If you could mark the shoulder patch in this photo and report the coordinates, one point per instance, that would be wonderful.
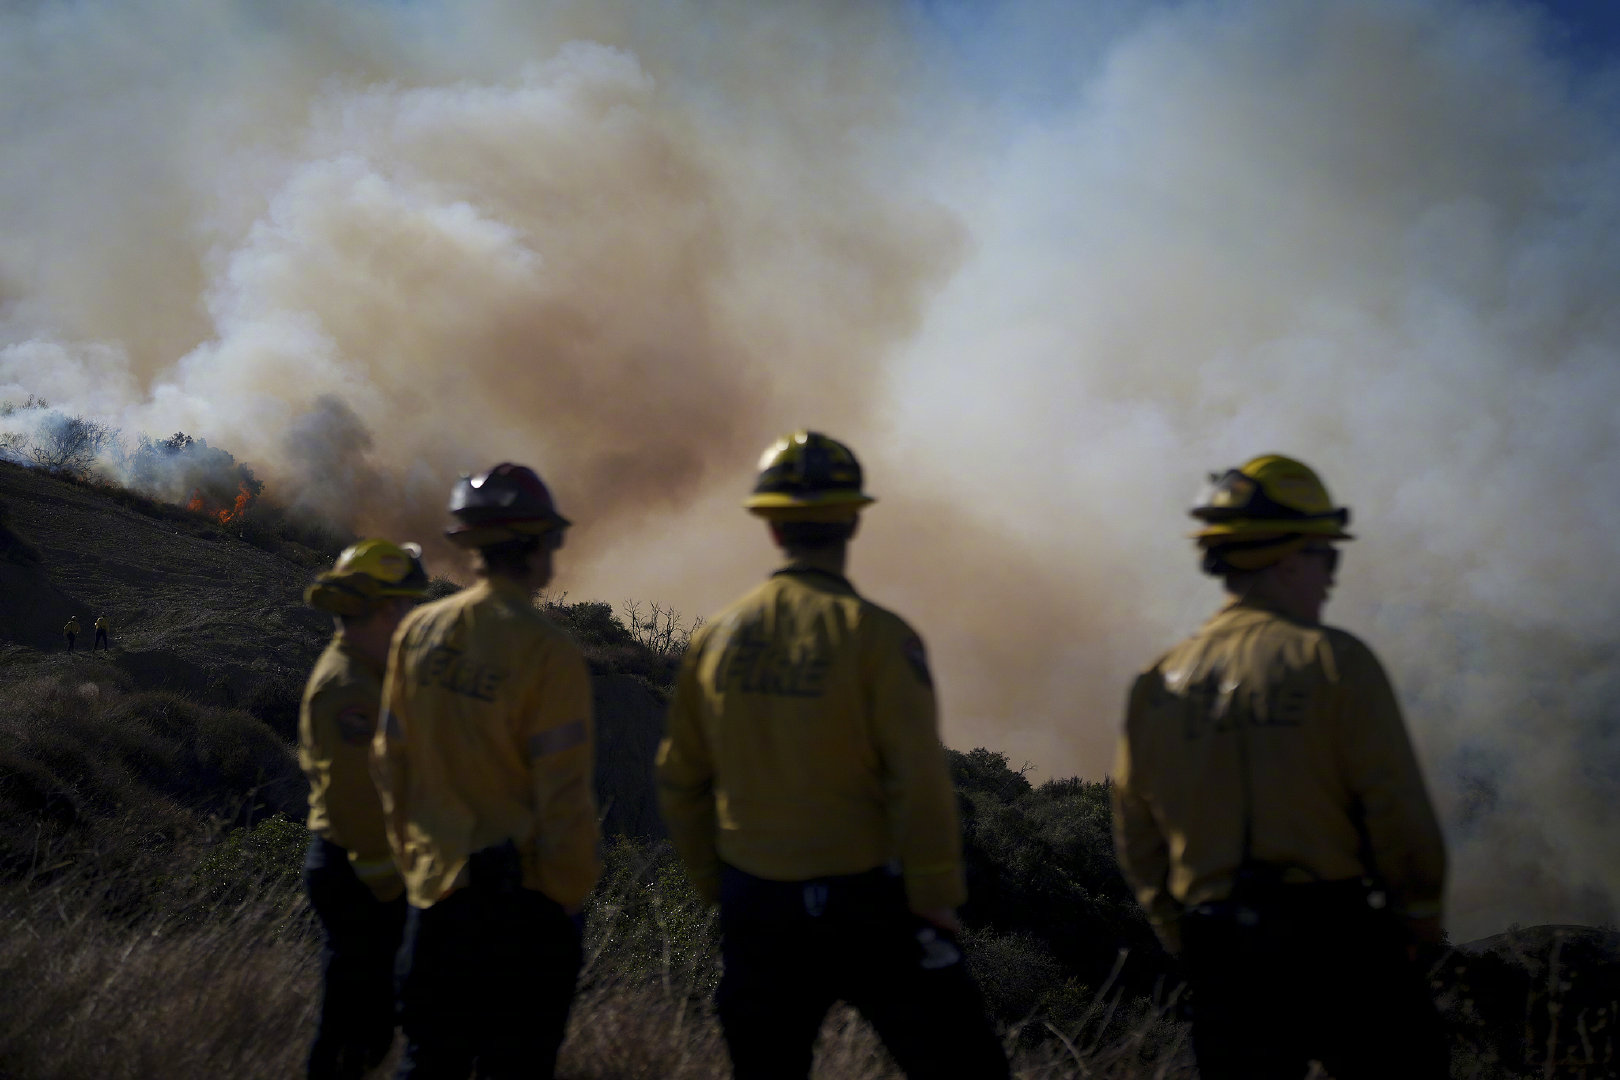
(917, 657)
(355, 726)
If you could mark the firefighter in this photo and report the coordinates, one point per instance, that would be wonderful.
(1270, 813)
(71, 631)
(806, 790)
(102, 626)
(485, 767)
(349, 872)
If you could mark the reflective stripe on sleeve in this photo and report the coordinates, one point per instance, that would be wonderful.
(556, 740)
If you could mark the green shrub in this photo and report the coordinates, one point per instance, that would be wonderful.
(591, 623)
(94, 768)
(1040, 862)
(248, 861)
(1017, 973)
(274, 698)
(645, 923)
(987, 772)
(297, 536)
(611, 647)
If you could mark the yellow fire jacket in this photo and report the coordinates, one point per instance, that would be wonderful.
(103, 624)
(803, 743)
(1297, 723)
(487, 736)
(72, 627)
(336, 723)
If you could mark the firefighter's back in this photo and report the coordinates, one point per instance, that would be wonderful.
(472, 668)
(799, 780)
(1237, 731)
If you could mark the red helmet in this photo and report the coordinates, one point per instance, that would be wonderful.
(505, 503)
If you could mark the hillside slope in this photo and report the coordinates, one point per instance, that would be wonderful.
(123, 777)
(197, 611)
(192, 608)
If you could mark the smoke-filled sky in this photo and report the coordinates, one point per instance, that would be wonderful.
(1043, 264)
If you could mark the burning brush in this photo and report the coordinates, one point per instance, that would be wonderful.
(225, 515)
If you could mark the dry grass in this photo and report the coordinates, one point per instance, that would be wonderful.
(167, 993)
(145, 938)
(158, 996)
(91, 770)
(196, 982)
(624, 1034)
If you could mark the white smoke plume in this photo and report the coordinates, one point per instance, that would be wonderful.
(1043, 264)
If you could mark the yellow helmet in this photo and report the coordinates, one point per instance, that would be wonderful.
(366, 573)
(807, 476)
(1270, 496)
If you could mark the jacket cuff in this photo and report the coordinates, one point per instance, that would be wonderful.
(706, 882)
(381, 876)
(932, 887)
(1421, 909)
(568, 886)
(387, 890)
(1169, 934)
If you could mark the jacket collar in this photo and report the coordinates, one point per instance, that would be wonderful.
(506, 589)
(800, 570)
(341, 643)
(1249, 605)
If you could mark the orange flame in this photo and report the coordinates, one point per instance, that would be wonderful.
(228, 515)
(234, 513)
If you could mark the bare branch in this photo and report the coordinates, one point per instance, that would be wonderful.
(70, 444)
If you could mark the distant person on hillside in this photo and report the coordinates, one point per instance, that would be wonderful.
(353, 884)
(102, 626)
(805, 788)
(71, 631)
(485, 768)
(1270, 814)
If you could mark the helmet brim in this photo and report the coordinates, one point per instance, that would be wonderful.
(1249, 529)
(781, 500)
(487, 534)
(823, 514)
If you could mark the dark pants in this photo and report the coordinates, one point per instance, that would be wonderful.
(1308, 973)
(70, 642)
(362, 936)
(101, 639)
(791, 949)
(487, 977)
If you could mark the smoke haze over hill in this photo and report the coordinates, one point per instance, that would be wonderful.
(1042, 268)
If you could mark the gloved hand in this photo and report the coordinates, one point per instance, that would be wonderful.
(944, 918)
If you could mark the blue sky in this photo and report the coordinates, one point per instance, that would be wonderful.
(1593, 25)
(1589, 30)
